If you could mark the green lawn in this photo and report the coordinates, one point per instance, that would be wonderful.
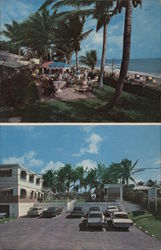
(148, 222)
(131, 108)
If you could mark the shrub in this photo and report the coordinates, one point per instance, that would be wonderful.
(13, 89)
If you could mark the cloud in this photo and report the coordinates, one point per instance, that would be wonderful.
(28, 160)
(158, 162)
(14, 160)
(94, 141)
(87, 164)
(52, 165)
(86, 129)
(30, 155)
(35, 162)
(92, 147)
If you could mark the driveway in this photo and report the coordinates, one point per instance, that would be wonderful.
(62, 233)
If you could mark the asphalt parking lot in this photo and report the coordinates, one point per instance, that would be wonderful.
(63, 233)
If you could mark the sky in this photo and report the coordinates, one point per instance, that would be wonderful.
(146, 38)
(40, 148)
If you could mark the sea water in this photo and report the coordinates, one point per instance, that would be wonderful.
(149, 66)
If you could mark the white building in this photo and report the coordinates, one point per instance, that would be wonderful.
(19, 189)
(113, 192)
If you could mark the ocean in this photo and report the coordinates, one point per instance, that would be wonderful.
(150, 66)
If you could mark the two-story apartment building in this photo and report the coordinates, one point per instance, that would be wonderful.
(19, 189)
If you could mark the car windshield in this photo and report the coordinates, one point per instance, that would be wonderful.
(77, 209)
(95, 216)
(112, 207)
(121, 216)
(94, 209)
(51, 208)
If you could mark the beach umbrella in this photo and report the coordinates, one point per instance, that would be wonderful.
(57, 65)
(46, 64)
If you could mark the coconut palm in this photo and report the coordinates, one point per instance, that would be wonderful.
(72, 34)
(90, 59)
(127, 170)
(36, 32)
(128, 5)
(100, 10)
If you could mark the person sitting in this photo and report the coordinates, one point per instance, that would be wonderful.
(91, 75)
(90, 84)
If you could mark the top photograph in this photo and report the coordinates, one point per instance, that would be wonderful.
(80, 61)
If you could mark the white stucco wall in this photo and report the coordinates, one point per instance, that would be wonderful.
(24, 207)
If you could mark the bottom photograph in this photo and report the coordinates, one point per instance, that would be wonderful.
(71, 187)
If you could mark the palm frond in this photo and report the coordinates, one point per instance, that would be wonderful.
(46, 4)
(134, 165)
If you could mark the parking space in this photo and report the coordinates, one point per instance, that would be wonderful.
(65, 233)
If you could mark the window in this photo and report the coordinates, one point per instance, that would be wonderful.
(35, 195)
(37, 181)
(31, 178)
(32, 195)
(23, 194)
(23, 174)
(6, 173)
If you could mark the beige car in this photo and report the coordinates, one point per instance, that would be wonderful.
(121, 220)
(95, 219)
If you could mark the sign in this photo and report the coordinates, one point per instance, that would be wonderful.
(152, 194)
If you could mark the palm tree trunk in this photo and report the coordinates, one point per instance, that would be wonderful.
(77, 62)
(100, 84)
(126, 53)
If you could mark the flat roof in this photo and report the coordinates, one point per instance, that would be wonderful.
(4, 166)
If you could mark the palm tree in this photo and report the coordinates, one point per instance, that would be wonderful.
(90, 59)
(127, 170)
(128, 5)
(36, 32)
(100, 11)
(72, 34)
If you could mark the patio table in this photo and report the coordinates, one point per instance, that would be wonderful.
(60, 84)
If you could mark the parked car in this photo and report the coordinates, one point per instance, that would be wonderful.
(121, 220)
(95, 219)
(51, 212)
(35, 211)
(3, 215)
(94, 209)
(110, 209)
(77, 212)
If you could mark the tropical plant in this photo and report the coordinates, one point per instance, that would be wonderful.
(128, 5)
(36, 32)
(127, 170)
(100, 10)
(72, 35)
(90, 59)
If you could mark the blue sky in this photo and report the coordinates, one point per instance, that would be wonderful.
(44, 147)
(146, 37)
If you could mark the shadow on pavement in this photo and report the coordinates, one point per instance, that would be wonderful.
(73, 217)
(109, 227)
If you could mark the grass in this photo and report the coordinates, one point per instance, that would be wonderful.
(148, 222)
(131, 108)
(4, 220)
